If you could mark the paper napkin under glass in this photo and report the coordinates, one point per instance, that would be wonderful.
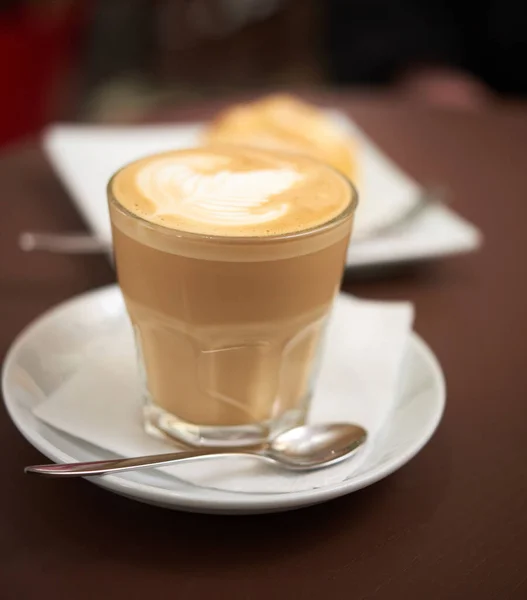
(360, 372)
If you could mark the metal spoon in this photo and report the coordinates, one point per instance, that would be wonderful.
(302, 449)
(62, 243)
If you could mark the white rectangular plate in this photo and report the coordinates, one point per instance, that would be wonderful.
(85, 157)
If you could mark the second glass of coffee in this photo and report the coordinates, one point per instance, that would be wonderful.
(229, 260)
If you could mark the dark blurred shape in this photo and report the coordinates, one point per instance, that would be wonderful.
(143, 53)
(229, 44)
(36, 44)
(135, 55)
(120, 40)
(438, 42)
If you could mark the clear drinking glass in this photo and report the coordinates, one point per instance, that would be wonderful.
(227, 329)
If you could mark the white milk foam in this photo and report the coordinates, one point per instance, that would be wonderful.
(182, 187)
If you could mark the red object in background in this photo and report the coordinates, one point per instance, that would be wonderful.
(35, 45)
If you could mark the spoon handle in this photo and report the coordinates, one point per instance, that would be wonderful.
(101, 467)
(63, 243)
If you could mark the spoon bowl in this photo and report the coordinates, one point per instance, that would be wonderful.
(315, 446)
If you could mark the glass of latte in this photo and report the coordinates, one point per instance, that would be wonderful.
(229, 259)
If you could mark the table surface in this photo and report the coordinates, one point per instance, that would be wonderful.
(451, 524)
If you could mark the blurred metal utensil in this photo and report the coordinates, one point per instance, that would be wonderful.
(430, 196)
(62, 243)
(84, 243)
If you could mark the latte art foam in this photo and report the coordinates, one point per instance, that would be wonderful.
(223, 198)
(234, 191)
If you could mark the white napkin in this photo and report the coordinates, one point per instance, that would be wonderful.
(361, 364)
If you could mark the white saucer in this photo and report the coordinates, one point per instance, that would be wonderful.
(35, 366)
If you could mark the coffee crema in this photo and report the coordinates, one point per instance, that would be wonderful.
(231, 191)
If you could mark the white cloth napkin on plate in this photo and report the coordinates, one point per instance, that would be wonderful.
(361, 365)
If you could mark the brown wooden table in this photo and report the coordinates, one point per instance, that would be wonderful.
(452, 524)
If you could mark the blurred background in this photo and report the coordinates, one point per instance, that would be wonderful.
(117, 60)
